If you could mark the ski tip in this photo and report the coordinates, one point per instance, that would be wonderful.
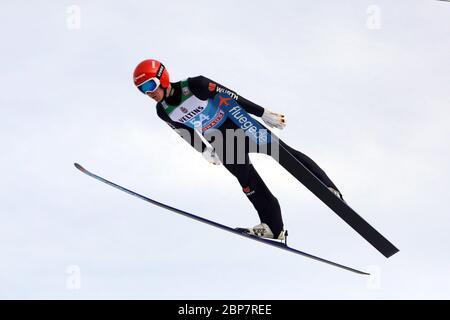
(79, 167)
(365, 273)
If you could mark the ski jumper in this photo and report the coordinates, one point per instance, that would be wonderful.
(189, 107)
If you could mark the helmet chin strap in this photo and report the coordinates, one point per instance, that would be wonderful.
(165, 95)
(165, 91)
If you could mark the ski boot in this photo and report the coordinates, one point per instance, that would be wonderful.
(262, 230)
(337, 193)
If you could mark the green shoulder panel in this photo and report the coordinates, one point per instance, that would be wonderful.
(185, 94)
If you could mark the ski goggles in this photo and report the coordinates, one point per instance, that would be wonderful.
(149, 86)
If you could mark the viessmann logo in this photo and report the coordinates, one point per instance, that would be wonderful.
(211, 86)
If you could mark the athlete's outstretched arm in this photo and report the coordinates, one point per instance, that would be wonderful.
(205, 88)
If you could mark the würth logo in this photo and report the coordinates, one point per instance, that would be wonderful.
(212, 86)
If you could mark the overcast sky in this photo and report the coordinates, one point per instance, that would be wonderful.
(365, 89)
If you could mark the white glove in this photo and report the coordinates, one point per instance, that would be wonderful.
(273, 120)
(211, 156)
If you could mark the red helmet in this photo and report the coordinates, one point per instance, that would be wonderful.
(148, 69)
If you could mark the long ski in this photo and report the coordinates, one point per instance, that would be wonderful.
(273, 243)
(305, 176)
(341, 208)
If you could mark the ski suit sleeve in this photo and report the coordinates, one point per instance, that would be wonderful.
(188, 134)
(205, 88)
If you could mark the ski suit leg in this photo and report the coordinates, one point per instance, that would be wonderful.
(308, 163)
(259, 195)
